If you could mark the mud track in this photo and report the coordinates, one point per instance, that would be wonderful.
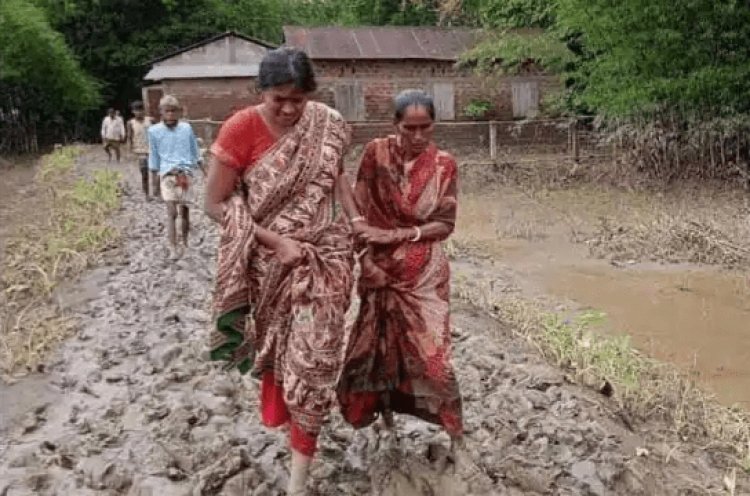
(132, 406)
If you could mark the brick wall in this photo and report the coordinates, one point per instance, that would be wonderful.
(382, 80)
(475, 136)
(214, 98)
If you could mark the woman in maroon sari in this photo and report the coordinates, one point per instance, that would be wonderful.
(399, 353)
(285, 260)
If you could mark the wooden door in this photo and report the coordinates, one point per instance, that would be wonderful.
(444, 95)
(525, 99)
(349, 101)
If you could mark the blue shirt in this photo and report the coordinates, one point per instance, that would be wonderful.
(172, 148)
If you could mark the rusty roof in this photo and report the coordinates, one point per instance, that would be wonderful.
(381, 42)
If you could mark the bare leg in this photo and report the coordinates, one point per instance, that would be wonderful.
(144, 180)
(299, 473)
(185, 216)
(387, 412)
(171, 221)
(388, 420)
(155, 184)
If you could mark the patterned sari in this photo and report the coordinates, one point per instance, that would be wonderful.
(287, 324)
(399, 352)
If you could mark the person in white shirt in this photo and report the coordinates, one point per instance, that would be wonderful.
(113, 134)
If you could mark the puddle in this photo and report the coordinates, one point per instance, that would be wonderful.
(693, 318)
(697, 318)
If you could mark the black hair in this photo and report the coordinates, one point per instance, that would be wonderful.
(408, 98)
(110, 110)
(136, 105)
(284, 66)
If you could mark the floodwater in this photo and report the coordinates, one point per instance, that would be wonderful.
(697, 318)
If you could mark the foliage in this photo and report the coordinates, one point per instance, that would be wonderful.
(33, 54)
(692, 58)
(115, 39)
(501, 14)
(510, 52)
(477, 108)
(41, 81)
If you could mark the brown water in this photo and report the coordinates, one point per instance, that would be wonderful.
(695, 317)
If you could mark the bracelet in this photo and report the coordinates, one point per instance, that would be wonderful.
(358, 218)
(417, 236)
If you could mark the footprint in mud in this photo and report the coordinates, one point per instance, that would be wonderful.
(411, 476)
(400, 466)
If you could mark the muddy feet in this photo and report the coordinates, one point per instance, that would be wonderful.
(466, 469)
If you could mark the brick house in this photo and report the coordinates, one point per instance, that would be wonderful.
(361, 69)
(211, 78)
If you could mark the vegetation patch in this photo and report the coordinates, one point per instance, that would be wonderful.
(670, 238)
(41, 255)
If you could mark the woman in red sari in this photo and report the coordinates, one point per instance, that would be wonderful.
(285, 261)
(399, 353)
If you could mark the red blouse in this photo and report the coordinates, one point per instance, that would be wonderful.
(242, 140)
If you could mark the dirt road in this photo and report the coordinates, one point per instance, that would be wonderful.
(131, 405)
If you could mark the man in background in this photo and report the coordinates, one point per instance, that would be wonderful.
(137, 131)
(113, 134)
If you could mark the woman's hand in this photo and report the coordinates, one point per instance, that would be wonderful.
(377, 236)
(288, 252)
(220, 186)
(359, 227)
(372, 275)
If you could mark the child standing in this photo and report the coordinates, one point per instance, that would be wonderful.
(173, 154)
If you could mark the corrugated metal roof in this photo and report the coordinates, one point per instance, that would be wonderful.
(211, 40)
(201, 71)
(381, 42)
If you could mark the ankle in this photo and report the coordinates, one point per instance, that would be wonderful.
(299, 473)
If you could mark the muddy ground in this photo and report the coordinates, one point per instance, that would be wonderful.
(131, 405)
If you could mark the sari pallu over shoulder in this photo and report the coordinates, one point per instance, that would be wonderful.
(399, 353)
(290, 190)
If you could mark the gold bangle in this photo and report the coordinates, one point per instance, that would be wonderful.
(417, 236)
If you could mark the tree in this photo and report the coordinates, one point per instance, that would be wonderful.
(642, 58)
(115, 39)
(40, 78)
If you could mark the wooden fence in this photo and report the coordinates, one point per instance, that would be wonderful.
(489, 138)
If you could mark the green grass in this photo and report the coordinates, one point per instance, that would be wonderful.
(43, 254)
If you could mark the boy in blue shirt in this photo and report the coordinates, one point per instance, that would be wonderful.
(174, 155)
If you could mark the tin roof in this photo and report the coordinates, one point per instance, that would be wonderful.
(211, 40)
(160, 72)
(381, 42)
